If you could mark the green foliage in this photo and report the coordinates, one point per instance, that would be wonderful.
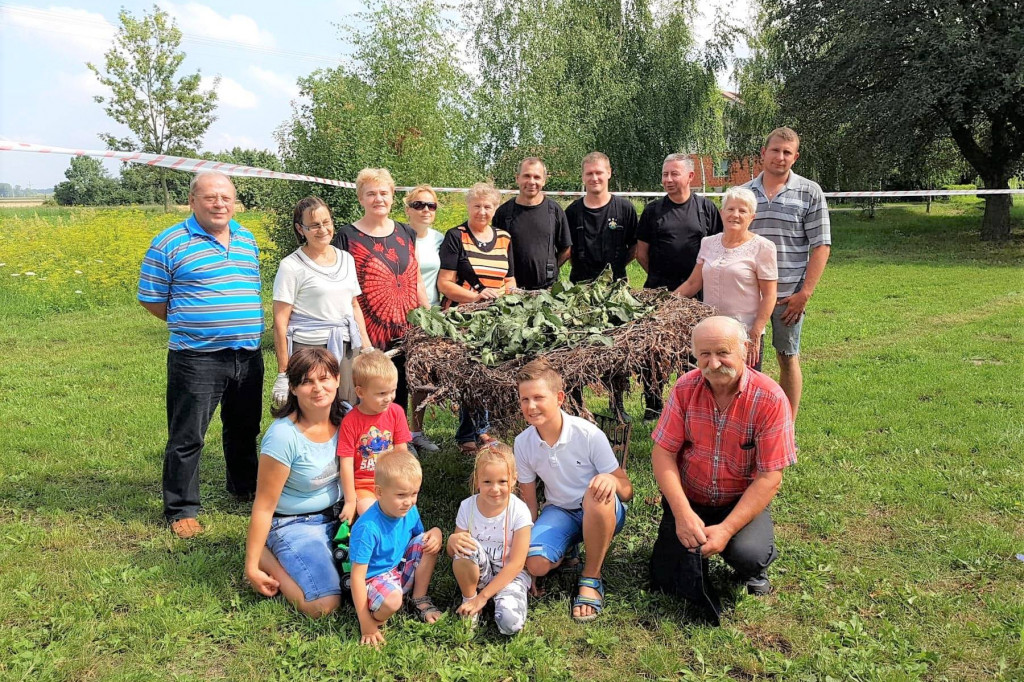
(878, 82)
(165, 114)
(401, 105)
(261, 194)
(516, 325)
(87, 184)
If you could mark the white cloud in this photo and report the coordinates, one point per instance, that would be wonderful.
(83, 82)
(230, 93)
(226, 141)
(198, 20)
(76, 31)
(275, 82)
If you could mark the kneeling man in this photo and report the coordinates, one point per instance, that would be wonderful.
(719, 450)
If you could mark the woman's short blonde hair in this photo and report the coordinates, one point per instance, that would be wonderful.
(419, 189)
(374, 176)
(483, 189)
(742, 195)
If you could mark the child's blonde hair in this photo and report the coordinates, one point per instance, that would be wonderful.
(373, 365)
(540, 369)
(489, 454)
(395, 467)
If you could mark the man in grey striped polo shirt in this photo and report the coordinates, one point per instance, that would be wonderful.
(791, 211)
(202, 277)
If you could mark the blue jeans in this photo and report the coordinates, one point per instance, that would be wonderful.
(196, 384)
(471, 425)
(303, 546)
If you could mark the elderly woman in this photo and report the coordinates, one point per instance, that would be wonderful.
(295, 513)
(315, 302)
(421, 210)
(738, 271)
(389, 275)
(476, 265)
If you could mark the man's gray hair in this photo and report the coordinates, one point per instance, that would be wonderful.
(679, 156)
(742, 195)
(532, 161)
(205, 174)
(738, 331)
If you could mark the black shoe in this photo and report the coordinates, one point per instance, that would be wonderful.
(759, 585)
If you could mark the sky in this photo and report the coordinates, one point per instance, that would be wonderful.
(259, 49)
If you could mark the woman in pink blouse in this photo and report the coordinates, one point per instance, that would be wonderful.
(738, 271)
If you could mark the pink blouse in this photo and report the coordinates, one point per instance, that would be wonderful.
(730, 275)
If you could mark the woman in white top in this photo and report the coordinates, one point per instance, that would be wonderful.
(421, 210)
(315, 302)
(738, 271)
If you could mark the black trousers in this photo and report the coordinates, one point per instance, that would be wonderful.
(196, 384)
(749, 552)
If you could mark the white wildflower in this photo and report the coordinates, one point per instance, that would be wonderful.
(78, 272)
(99, 260)
(29, 273)
(78, 291)
(15, 274)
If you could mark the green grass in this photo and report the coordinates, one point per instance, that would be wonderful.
(898, 528)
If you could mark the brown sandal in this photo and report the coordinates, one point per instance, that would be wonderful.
(423, 607)
(186, 528)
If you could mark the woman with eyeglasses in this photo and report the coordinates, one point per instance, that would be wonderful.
(421, 211)
(315, 299)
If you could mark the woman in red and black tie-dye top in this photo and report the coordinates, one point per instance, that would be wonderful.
(385, 254)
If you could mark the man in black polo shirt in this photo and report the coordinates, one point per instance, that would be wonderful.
(668, 241)
(603, 226)
(537, 225)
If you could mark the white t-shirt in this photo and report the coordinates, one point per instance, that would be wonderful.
(322, 292)
(427, 255)
(488, 531)
(581, 452)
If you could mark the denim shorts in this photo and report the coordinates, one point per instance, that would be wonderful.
(557, 529)
(303, 546)
(785, 338)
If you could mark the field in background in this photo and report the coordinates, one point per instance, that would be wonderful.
(898, 528)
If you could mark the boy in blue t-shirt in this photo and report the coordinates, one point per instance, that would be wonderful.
(391, 554)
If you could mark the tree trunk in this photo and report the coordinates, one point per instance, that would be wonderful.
(167, 196)
(995, 225)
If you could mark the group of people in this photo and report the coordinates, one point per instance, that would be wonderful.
(342, 298)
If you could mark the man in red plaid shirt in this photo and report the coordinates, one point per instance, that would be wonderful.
(719, 450)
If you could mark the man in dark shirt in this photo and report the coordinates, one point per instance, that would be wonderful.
(603, 226)
(537, 225)
(668, 241)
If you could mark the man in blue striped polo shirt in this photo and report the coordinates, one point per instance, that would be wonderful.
(202, 277)
(791, 211)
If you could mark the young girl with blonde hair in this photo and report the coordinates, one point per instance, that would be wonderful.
(490, 542)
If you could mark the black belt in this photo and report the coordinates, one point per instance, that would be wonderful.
(328, 511)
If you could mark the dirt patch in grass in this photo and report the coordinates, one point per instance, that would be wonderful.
(765, 640)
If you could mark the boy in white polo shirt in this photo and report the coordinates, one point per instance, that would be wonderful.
(584, 485)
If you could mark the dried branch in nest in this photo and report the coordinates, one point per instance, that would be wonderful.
(654, 346)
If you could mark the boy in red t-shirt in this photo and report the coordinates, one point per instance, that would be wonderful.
(377, 425)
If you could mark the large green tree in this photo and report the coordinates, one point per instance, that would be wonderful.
(87, 184)
(892, 79)
(560, 78)
(401, 103)
(165, 113)
(253, 193)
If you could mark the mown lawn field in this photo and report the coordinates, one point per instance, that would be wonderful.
(899, 529)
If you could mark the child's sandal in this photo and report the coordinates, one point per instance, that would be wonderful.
(595, 603)
(423, 607)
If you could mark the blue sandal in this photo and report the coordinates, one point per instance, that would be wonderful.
(579, 600)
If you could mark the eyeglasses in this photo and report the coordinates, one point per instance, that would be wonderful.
(420, 205)
(325, 225)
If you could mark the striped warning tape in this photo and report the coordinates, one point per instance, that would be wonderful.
(236, 170)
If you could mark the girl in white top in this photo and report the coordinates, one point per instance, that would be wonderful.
(315, 300)
(421, 210)
(738, 270)
(490, 542)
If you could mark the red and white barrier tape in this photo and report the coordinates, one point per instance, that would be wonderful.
(235, 170)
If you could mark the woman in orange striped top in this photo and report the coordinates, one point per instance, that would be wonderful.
(476, 265)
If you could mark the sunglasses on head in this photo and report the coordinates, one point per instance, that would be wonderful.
(420, 205)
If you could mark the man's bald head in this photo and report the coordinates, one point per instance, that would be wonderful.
(719, 326)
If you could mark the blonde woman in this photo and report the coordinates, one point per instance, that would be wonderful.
(385, 256)
(421, 210)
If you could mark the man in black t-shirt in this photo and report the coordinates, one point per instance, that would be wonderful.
(668, 241)
(603, 226)
(539, 230)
